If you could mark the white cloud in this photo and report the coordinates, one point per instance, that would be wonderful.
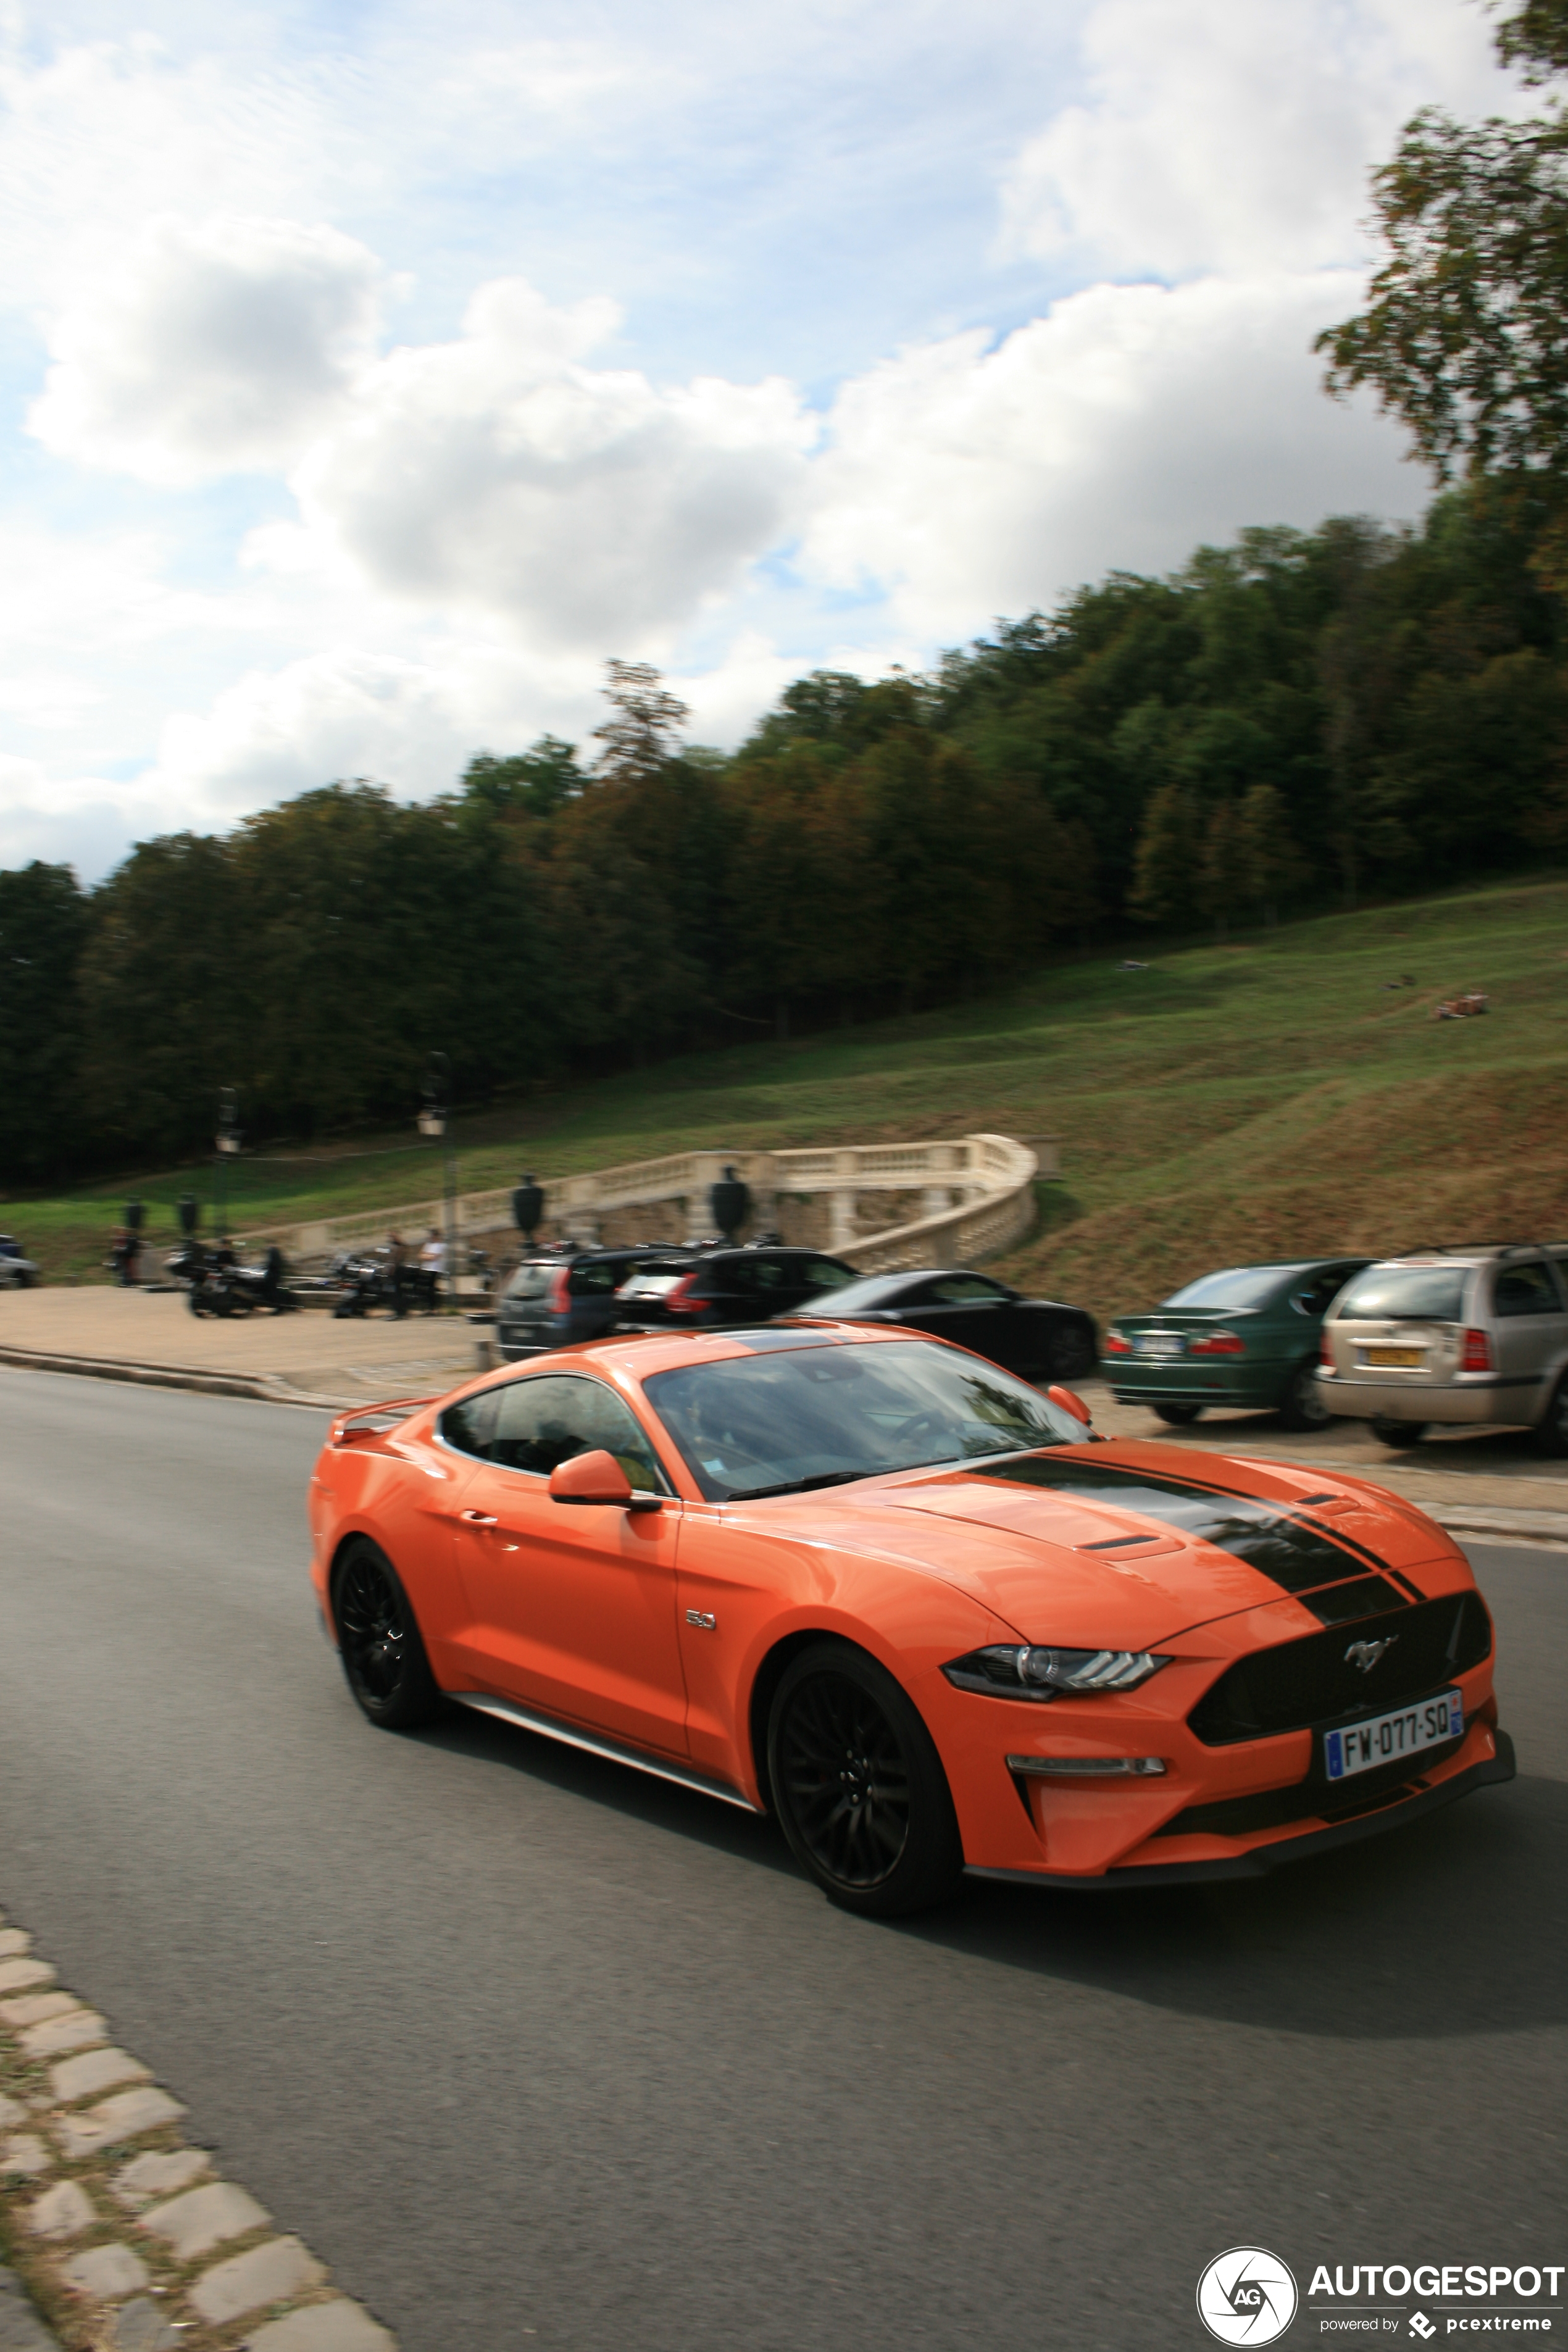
(1119, 431)
(583, 507)
(1219, 136)
(216, 346)
(711, 208)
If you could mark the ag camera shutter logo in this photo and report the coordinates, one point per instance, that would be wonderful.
(1247, 2297)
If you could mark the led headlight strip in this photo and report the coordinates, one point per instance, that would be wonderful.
(1005, 1672)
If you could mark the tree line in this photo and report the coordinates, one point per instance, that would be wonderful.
(1287, 722)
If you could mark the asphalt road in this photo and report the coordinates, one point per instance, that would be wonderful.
(532, 2049)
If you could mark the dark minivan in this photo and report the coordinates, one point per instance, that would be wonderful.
(561, 1296)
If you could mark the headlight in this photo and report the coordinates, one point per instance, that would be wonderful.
(1009, 1672)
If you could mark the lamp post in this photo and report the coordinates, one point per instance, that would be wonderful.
(435, 1120)
(226, 1144)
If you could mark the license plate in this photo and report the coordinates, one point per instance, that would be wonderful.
(1159, 1343)
(1384, 1738)
(1412, 1356)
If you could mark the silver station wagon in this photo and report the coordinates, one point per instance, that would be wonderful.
(1463, 1335)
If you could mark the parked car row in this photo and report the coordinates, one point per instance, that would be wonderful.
(1448, 1337)
(558, 1298)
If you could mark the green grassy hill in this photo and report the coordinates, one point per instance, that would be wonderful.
(1257, 1099)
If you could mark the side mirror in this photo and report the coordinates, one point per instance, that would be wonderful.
(1069, 1401)
(596, 1478)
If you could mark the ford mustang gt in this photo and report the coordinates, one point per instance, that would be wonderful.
(880, 1587)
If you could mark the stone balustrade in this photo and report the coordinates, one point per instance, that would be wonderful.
(975, 1199)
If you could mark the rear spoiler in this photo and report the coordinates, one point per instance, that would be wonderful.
(374, 1420)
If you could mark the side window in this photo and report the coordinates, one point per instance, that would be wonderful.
(1316, 1297)
(823, 1275)
(776, 1273)
(1526, 1289)
(954, 1290)
(467, 1425)
(543, 1422)
(589, 1281)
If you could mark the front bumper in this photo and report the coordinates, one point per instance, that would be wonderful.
(1258, 1860)
(1485, 1399)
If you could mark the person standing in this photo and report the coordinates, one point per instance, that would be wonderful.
(433, 1261)
(398, 1274)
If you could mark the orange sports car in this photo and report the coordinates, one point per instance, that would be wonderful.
(879, 1587)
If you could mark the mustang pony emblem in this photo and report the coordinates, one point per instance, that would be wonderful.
(1364, 1656)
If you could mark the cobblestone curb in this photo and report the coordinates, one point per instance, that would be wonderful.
(123, 2233)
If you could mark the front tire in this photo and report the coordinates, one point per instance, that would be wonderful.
(1397, 1433)
(378, 1638)
(859, 1786)
(1302, 1406)
(1177, 1416)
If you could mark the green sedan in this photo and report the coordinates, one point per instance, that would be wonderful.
(1246, 1337)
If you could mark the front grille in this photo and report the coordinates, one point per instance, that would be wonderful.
(1297, 1685)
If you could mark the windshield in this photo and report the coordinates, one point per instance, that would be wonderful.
(1419, 1294)
(774, 1423)
(1238, 1285)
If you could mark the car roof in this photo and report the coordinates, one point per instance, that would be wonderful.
(638, 1356)
(1469, 1253)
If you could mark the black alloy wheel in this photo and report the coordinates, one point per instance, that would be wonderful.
(859, 1786)
(384, 1657)
(1302, 1406)
(1549, 1434)
(1070, 1355)
(1389, 1432)
(1177, 1416)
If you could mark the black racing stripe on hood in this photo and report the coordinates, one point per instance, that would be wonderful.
(1293, 1554)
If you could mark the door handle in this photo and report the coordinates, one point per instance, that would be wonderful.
(479, 1519)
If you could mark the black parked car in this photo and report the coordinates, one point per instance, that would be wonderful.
(1035, 1338)
(703, 1290)
(559, 1296)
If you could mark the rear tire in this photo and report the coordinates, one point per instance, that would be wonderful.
(1178, 1415)
(1397, 1433)
(1302, 1406)
(384, 1657)
(1550, 1436)
(859, 1786)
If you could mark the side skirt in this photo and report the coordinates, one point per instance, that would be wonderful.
(592, 1743)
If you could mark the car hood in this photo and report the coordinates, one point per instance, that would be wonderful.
(1126, 1544)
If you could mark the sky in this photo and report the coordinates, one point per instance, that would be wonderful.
(371, 373)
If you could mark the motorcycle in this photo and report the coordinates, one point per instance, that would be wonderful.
(368, 1279)
(216, 1284)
